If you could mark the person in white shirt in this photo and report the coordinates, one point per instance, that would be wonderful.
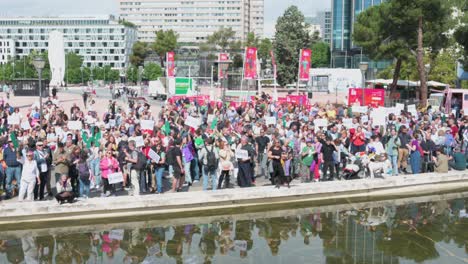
(376, 146)
(29, 177)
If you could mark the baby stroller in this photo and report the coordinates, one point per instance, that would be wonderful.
(354, 168)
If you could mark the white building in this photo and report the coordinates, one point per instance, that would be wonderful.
(100, 40)
(7, 50)
(193, 20)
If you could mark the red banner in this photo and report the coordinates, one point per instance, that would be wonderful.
(222, 57)
(250, 63)
(170, 64)
(273, 64)
(200, 99)
(304, 64)
(372, 97)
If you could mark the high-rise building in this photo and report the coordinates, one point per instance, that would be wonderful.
(344, 13)
(321, 23)
(101, 41)
(193, 20)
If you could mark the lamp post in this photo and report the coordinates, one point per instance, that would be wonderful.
(39, 64)
(82, 79)
(223, 66)
(363, 66)
(140, 71)
(13, 64)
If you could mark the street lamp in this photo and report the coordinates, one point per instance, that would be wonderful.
(363, 66)
(39, 64)
(223, 66)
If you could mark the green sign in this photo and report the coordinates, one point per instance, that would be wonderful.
(183, 85)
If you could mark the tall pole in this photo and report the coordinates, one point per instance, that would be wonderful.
(242, 79)
(40, 96)
(211, 83)
(363, 85)
(298, 72)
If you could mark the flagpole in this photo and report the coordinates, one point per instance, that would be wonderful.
(298, 72)
(259, 69)
(242, 79)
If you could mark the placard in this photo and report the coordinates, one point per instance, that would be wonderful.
(270, 120)
(139, 141)
(348, 122)
(75, 125)
(192, 122)
(13, 120)
(412, 110)
(378, 116)
(210, 119)
(360, 109)
(400, 107)
(147, 124)
(115, 177)
(322, 122)
(25, 125)
(364, 119)
(154, 156)
(242, 154)
(112, 123)
(117, 234)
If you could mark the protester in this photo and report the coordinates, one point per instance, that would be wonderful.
(441, 161)
(209, 156)
(29, 177)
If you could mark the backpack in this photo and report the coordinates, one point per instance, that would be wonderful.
(141, 162)
(83, 171)
(211, 160)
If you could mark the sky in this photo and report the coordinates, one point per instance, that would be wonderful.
(273, 8)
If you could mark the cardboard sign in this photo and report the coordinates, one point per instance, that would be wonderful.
(364, 119)
(412, 110)
(75, 125)
(112, 123)
(147, 124)
(139, 141)
(210, 119)
(13, 120)
(348, 122)
(115, 177)
(117, 234)
(323, 122)
(360, 109)
(25, 125)
(192, 122)
(242, 154)
(270, 120)
(378, 116)
(400, 108)
(154, 156)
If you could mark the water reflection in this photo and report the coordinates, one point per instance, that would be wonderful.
(433, 231)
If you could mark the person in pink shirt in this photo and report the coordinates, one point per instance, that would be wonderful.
(108, 165)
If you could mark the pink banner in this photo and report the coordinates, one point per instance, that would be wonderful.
(298, 99)
(372, 97)
(304, 64)
(170, 64)
(250, 63)
(222, 57)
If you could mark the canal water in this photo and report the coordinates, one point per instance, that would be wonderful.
(431, 229)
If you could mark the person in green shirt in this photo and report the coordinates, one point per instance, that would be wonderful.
(307, 155)
(458, 161)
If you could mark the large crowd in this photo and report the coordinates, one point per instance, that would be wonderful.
(223, 144)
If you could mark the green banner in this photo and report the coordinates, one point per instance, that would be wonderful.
(182, 85)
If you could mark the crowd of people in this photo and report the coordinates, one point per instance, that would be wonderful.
(223, 144)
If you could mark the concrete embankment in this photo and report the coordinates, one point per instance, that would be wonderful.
(32, 215)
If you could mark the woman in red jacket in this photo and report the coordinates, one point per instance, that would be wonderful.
(358, 141)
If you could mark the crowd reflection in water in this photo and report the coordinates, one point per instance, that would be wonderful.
(389, 232)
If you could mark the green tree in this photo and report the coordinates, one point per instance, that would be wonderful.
(152, 72)
(165, 41)
(320, 55)
(237, 61)
(461, 36)
(223, 38)
(291, 36)
(132, 74)
(140, 51)
(264, 49)
(252, 40)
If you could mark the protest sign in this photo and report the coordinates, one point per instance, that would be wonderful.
(13, 120)
(210, 119)
(242, 154)
(322, 122)
(147, 124)
(412, 110)
(75, 125)
(139, 142)
(378, 116)
(270, 120)
(360, 109)
(192, 122)
(25, 125)
(400, 108)
(115, 177)
(364, 119)
(112, 123)
(154, 156)
(116, 234)
(348, 122)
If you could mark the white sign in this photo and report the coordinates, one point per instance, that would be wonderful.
(112, 123)
(25, 125)
(75, 125)
(210, 119)
(147, 124)
(348, 122)
(270, 120)
(322, 122)
(192, 122)
(14, 120)
(378, 116)
(400, 108)
(364, 119)
(139, 142)
(115, 177)
(242, 154)
(154, 156)
(359, 109)
(117, 234)
(412, 110)
(392, 110)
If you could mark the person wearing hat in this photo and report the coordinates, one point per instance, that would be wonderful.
(29, 177)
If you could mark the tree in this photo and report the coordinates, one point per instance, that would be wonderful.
(320, 55)
(152, 72)
(252, 40)
(291, 36)
(165, 41)
(223, 38)
(461, 36)
(264, 49)
(132, 74)
(140, 51)
(237, 61)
